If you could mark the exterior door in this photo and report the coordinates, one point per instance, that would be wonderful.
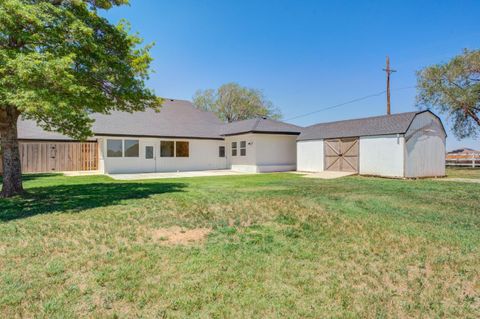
(341, 154)
(150, 157)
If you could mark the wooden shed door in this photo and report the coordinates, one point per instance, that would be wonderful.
(341, 154)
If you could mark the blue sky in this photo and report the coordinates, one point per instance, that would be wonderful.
(304, 55)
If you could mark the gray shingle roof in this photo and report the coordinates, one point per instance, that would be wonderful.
(177, 118)
(259, 125)
(377, 125)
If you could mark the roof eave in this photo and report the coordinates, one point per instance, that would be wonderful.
(262, 132)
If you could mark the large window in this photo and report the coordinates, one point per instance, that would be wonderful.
(167, 148)
(132, 148)
(114, 148)
(221, 151)
(243, 148)
(234, 148)
(182, 149)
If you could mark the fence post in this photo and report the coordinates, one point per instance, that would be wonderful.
(473, 160)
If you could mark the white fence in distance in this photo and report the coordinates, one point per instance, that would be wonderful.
(463, 160)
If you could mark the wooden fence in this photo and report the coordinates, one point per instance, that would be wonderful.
(463, 160)
(41, 157)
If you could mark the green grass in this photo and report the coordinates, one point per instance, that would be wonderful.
(464, 172)
(280, 246)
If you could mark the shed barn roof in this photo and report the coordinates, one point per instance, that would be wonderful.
(369, 126)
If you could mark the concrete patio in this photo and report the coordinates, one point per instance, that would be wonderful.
(140, 176)
(325, 174)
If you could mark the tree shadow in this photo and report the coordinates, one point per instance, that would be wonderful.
(77, 197)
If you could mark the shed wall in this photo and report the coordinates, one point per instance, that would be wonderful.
(310, 156)
(425, 147)
(382, 155)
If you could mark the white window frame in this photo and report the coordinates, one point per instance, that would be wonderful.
(243, 148)
(114, 139)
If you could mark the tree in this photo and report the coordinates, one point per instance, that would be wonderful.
(59, 62)
(232, 102)
(454, 88)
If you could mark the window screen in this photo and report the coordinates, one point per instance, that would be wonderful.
(148, 152)
(114, 148)
(166, 148)
(182, 149)
(131, 148)
(221, 151)
(243, 148)
(234, 148)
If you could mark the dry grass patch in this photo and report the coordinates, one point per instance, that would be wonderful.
(179, 236)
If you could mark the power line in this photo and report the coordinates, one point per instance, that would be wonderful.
(348, 102)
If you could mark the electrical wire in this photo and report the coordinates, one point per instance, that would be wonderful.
(348, 102)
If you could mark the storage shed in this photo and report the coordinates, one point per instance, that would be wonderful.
(399, 145)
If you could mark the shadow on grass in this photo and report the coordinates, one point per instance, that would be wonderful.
(62, 198)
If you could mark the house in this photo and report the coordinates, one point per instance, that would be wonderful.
(183, 138)
(463, 151)
(178, 138)
(465, 157)
(400, 145)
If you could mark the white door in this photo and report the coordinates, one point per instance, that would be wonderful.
(150, 157)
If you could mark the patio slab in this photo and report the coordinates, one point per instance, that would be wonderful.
(138, 176)
(326, 174)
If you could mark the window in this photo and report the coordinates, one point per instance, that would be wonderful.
(243, 148)
(167, 148)
(132, 148)
(148, 152)
(221, 151)
(182, 149)
(114, 148)
(234, 148)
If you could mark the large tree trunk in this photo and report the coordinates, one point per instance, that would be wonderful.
(12, 168)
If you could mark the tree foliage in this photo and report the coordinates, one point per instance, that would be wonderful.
(232, 102)
(453, 88)
(60, 61)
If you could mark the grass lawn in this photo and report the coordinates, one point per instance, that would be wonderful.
(271, 245)
(464, 172)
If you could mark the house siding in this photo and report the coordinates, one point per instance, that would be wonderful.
(203, 155)
(265, 152)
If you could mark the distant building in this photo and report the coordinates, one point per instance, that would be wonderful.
(465, 151)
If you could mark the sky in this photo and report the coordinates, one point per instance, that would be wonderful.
(304, 55)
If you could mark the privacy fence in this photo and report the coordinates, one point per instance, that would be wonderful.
(41, 157)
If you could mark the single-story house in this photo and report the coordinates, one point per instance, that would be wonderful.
(178, 138)
(183, 138)
(399, 145)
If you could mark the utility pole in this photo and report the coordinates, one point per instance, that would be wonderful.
(389, 71)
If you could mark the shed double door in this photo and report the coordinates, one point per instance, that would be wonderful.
(341, 154)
